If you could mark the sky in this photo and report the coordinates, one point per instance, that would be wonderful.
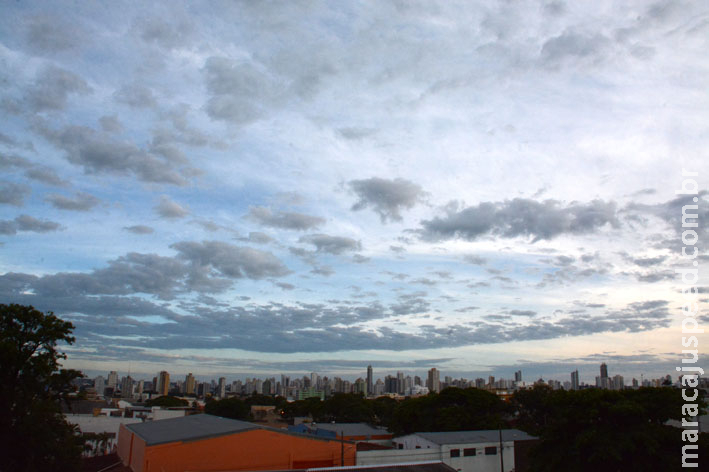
(249, 188)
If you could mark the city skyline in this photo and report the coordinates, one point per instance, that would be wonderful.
(309, 186)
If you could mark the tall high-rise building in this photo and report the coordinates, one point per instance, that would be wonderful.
(518, 376)
(400, 386)
(189, 384)
(434, 380)
(604, 370)
(221, 388)
(112, 379)
(99, 385)
(163, 383)
(370, 380)
(575, 380)
(127, 387)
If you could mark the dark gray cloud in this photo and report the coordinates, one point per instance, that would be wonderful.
(649, 261)
(519, 217)
(229, 260)
(325, 270)
(169, 209)
(284, 220)
(210, 266)
(671, 211)
(110, 124)
(46, 175)
(51, 34)
(475, 260)
(136, 96)
(360, 259)
(52, 88)
(285, 286)
(167, 34)
(13, 194)
(527, 313)
(26, 223)
(99, 152)
(258, 238)
(331, 244)
(14, 161)
(240, 91)
(80, 202)
(139, 229)
(355, 133)
(574, 46)
(386, 197)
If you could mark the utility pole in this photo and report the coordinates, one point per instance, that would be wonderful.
(502, 462)
(342, 448)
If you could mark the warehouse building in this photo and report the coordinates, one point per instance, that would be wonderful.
(211, 443)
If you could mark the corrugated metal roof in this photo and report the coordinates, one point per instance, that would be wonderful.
(188, 428)
(350, 429)
(472, 437)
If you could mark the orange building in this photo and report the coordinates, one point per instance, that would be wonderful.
(202, 443)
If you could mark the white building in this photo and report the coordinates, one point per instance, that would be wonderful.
(465, 451)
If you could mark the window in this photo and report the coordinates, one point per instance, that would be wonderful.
(401, 446)
(455, 452)
(469, 452)
(491, 451)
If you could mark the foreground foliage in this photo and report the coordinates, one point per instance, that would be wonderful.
(598, 429)
(34, 436)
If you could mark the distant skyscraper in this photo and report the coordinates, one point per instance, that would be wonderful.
(163, 383)
(604, 370)
(112, 379)
(189, 384)
(434, 380)
(370, 380)
(99, 385)
(127, 387)
(518, 376)
(575, 380)
(221, 388)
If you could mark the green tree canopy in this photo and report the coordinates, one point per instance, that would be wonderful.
(167, 401)
(33, 433)
(229, 408)
(454, 409)
(598, 429)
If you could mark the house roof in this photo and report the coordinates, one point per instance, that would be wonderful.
(188, 428)
(472, 437)
(201, 426)
(350, 429)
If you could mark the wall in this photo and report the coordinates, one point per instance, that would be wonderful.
(429, 451)
(251, 451)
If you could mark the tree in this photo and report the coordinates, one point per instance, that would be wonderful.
(228, 408)
(454, 409)
(34, 435)
(597, 429)
(167, 401)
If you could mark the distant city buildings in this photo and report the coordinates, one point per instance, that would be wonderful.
(315, 385)
(163, 387)
(434, 382)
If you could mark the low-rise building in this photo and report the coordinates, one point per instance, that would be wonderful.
(465, 451)
(206, 442)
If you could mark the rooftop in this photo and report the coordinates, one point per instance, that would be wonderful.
(350, 429)
(188, 428)
(472, 437)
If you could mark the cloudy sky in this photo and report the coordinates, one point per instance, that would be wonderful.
(264, 187)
